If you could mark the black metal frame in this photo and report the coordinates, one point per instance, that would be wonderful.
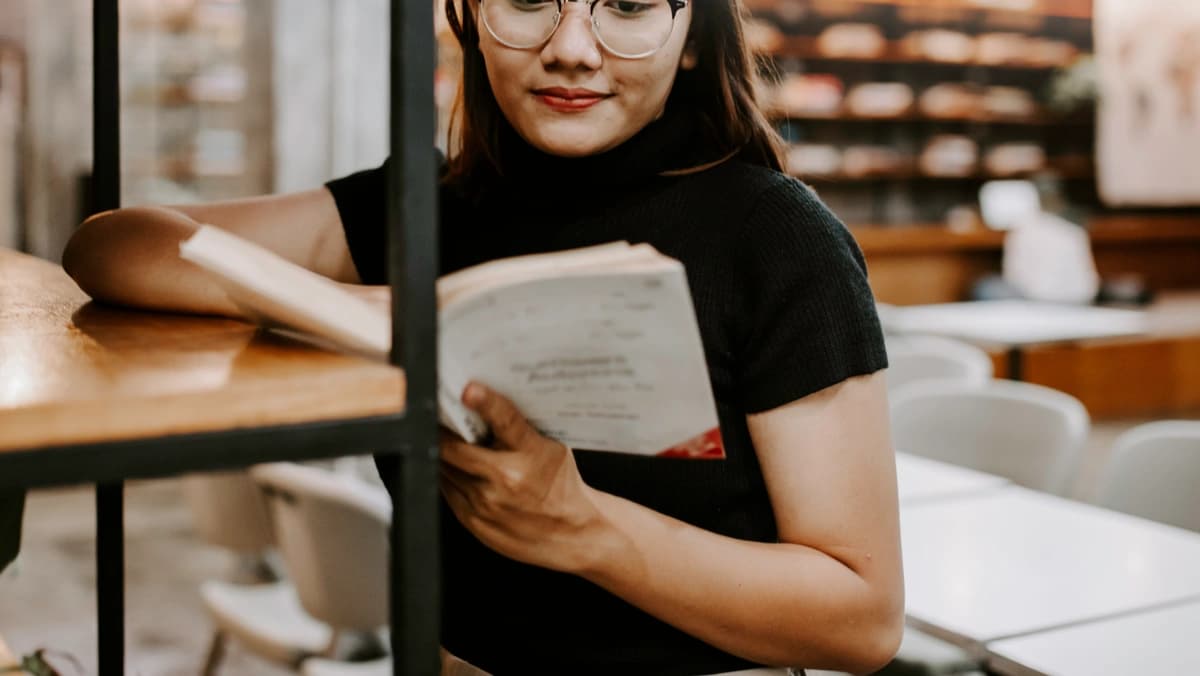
(415, 579)
(1016, 362)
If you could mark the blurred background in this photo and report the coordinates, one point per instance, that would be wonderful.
(1020, 150)
(898, 113)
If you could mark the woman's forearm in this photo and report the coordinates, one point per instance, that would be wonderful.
(836, 601)
(778, 604)
(131, 257)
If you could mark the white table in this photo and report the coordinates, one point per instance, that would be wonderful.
(1162, 641)
(1013, 561)
(921, 479)
(1017, 323)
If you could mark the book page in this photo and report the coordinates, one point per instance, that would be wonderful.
(599, 348)
(605, 257)
(273, 291)
(609, 362)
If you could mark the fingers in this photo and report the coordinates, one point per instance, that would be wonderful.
(456, 489)
(467, 497)
(462, 483)
(466, 458)
(508, 425)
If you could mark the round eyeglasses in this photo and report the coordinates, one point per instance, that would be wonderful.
(629, 29)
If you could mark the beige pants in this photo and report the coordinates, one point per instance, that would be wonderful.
(452, 666)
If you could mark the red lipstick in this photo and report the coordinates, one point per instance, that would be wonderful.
(567, 100)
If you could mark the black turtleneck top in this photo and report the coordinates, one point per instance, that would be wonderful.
(784, 309)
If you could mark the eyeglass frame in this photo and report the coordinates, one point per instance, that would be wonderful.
(675, 6)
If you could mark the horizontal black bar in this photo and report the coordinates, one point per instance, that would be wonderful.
(113, 461)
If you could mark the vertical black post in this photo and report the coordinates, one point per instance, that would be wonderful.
(412, 266)
(106, 105)
(110, 578)
(106, 135)
(1016, 363)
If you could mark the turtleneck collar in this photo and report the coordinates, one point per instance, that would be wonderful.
(666, 144)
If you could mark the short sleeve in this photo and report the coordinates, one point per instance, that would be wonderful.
(809, 317)
(362, 204)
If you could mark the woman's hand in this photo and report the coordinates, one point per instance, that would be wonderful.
(829, 594)
(524, 498)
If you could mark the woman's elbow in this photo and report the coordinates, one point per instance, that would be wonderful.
(864, 648)
(114, 250)
(84, 252)
(878, 637)
(869, 639)
(878, 646)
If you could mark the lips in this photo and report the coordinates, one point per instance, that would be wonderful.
(569, 100)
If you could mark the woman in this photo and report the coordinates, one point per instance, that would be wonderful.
(589, 122)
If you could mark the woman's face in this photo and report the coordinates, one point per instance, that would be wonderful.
(571, 97)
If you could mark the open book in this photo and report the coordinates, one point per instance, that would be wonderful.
(598, 347)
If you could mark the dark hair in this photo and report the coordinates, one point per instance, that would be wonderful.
(720, 91)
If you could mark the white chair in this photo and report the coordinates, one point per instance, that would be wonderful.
(229, 511)
(888, 318)
(1032, 435)
(1154, 473)
(332, 533)
(266, 619)
(323, 667)
(916, 358)
(451, 666)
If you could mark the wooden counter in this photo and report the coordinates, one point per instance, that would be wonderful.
(918, 264)
(1156, 374)
(74, 372)
(1069, 9)
(1153, 375)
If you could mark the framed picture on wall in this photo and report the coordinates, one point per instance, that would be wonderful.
(1148, 131)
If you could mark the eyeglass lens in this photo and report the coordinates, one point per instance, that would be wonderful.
(628, 28)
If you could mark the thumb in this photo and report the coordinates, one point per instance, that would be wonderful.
(509, 426)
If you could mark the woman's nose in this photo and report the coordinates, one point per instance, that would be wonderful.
(574, 46)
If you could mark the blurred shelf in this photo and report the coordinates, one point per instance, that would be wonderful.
(183, 18)
(804, 47)
(1039, 120)
(1134, 228)
(1105, 229)
(172, 102)
(930, 263)
(199, 98)
(923, 238)
(915, 175)
(1065, 9)
(197, 92)
(1004, 99)
(183, 171)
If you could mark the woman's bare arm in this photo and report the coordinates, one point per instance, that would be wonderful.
(131, 257)
(829, 594)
